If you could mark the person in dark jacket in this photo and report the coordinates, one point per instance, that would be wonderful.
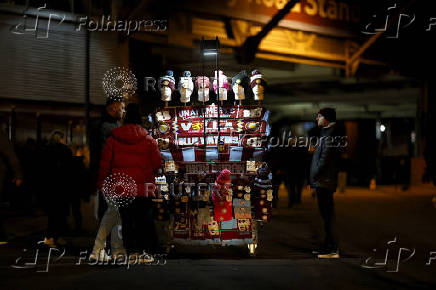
(323, 178)
(9, 167)
(110, 119)
(110, 221)
(134, 154)
(57, 164)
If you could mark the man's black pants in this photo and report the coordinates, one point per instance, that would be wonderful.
(139, 232)
(327, 211)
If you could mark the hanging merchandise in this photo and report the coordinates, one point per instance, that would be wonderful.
(203, 87)
(167, 85)
(258, 84)
(242, 208)
(186, 87)
(222, 197)
(223, 85)
(239, 83)
(263, 195)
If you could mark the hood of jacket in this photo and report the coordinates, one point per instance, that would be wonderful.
(129, 134)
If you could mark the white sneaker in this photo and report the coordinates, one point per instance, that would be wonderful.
(101, 257)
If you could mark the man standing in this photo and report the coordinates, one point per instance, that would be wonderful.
(8, 163)
(323, 178)
(109, 217)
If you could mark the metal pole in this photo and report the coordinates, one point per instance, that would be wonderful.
(218, 90)
(87, 84)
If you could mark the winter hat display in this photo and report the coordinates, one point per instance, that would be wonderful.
(203, 86)
(186, 87)
(239, 83)
(258, 84)
(222, 86)
(167, 85)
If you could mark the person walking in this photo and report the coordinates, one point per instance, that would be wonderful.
(57, 164)
(109, 216)
(8, 164)
(131, 152)
(323, 179)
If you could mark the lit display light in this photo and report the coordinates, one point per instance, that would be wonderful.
(119, 82)
(382, 128)
(119, 189)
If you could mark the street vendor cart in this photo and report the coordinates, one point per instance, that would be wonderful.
(197, 143)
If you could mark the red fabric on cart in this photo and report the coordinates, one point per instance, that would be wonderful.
(199, 154)
(132, 152)
(222, 207)
(177, 154)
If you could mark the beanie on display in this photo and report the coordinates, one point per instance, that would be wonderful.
(255, 76)
(241, 78)
(199, 81)
(168, 80)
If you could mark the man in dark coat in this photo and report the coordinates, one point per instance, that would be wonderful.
(9, 167)
(323, 178)
(110, 120)
(109, 216)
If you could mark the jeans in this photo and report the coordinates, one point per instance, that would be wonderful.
(110, 224)
(327, 211)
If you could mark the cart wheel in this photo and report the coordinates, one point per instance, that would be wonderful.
(252, 249)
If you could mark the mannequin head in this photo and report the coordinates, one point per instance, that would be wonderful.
(222, 86)
(202, 84)
(167, 84)
(257, 83)
(239, 82)
(186, 86)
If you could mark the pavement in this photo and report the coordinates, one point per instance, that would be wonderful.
(387, 236)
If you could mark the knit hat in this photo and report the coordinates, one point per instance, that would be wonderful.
(241, 78)
(224, 83)
(186, 76)
(168, 80)
(263, 178)
(202, 79)
(256, 75)
(329, 114)
(186, 86)
(224, 177)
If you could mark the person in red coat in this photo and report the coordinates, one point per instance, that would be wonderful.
(132, 153)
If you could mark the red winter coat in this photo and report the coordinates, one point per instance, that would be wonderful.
(130, 151)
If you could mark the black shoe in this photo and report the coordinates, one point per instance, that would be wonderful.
(319, 250)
